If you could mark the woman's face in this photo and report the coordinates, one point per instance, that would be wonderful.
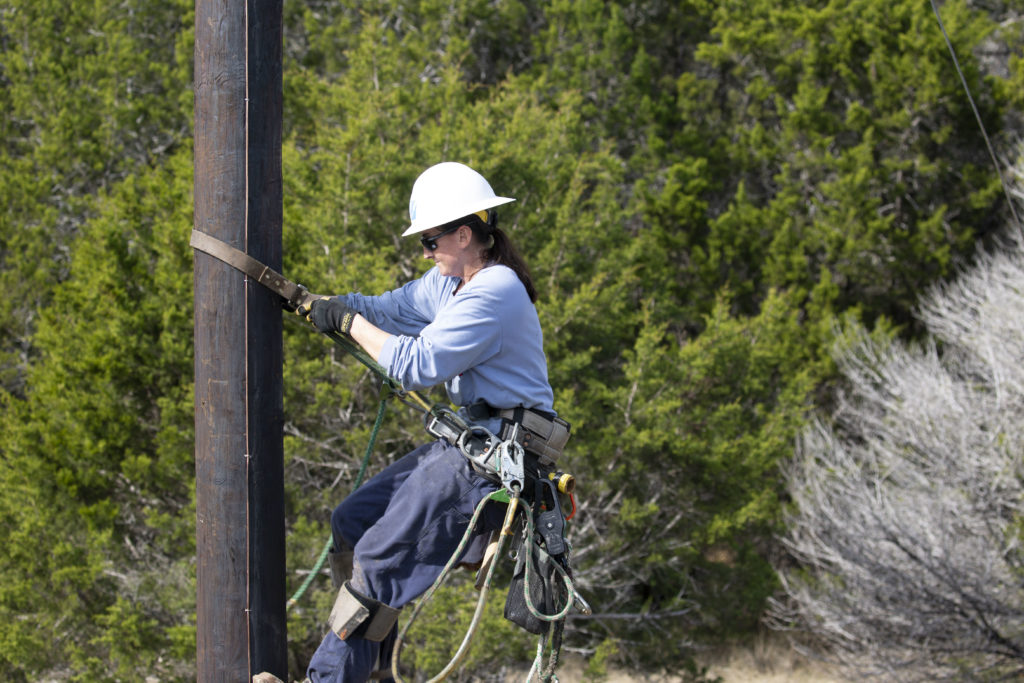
(452, 253)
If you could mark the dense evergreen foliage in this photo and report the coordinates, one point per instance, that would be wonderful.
(704, 190)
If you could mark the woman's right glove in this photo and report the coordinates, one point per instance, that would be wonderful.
(331, 315)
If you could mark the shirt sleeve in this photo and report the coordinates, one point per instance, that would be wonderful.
(465, 333)
(403, 311)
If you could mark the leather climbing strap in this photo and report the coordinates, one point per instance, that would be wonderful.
(294, 295)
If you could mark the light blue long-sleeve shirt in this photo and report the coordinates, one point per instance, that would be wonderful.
(484, 342)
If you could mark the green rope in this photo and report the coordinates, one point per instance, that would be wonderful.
(547, 675)
(389, 387)
(386, 392)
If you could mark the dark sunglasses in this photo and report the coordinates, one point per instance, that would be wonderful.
(431, 241)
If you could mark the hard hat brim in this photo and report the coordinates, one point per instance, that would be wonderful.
(429, 222)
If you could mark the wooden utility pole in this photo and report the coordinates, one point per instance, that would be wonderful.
(240, 601)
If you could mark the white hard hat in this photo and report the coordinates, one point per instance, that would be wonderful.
(446, 192)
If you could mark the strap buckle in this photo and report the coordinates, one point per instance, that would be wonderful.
(503, 461)
(294, 295)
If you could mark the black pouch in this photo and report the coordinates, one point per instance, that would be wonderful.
(543, 588)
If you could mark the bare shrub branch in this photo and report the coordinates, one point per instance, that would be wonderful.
(906, 523)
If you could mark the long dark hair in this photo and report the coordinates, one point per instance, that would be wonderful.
(499, 248)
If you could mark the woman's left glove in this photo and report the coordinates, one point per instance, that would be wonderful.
(331, 315)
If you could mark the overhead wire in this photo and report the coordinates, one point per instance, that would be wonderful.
(977, 115)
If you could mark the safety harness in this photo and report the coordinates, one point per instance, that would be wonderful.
(520, 459)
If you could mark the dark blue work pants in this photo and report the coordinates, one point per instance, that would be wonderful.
(403, 524)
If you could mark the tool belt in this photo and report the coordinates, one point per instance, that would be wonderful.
(502, 460)
(540, 433)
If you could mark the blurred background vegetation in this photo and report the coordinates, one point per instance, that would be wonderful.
(706, 193)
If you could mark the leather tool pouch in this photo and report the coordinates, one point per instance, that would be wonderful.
(539, 434)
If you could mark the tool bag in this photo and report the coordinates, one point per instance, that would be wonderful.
(539, 434)
(542, 549)
(546, 590)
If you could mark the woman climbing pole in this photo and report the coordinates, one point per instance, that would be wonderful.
(469, 322)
